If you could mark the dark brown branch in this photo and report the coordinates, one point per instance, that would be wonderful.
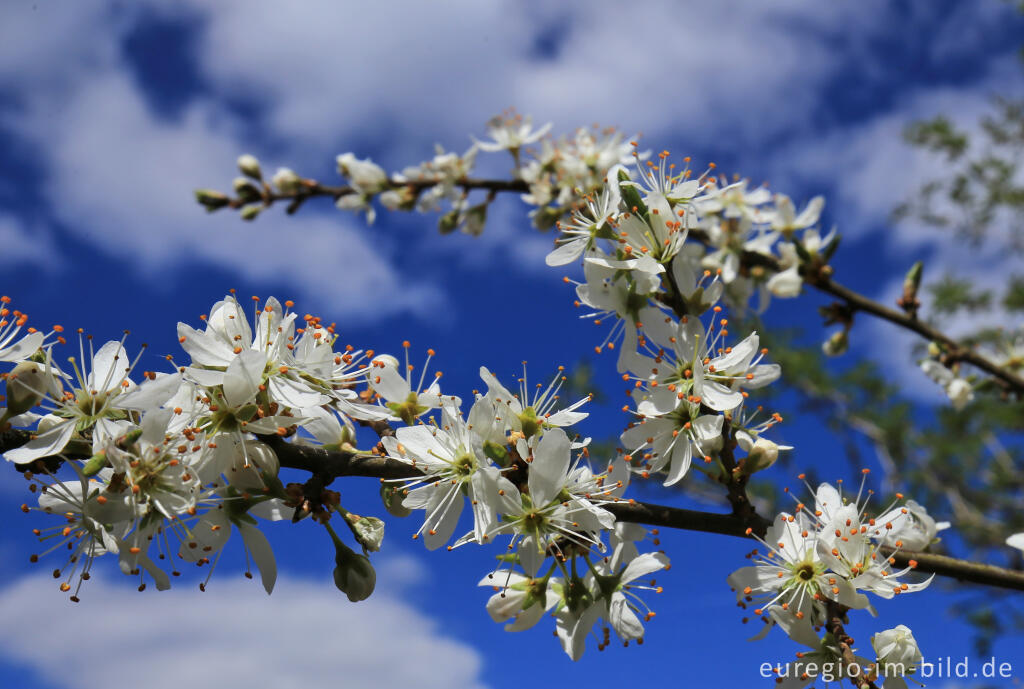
(744, 525)
(819, 279)
(822, 281)
(327, 465)
(836, 613)
(312, 189)
(955, 350)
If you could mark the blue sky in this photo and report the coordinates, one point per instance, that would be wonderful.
(111, 113)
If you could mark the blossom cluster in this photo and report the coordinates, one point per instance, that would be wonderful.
(167, 465)
(755, 243)
(169, 462)
(832, 554)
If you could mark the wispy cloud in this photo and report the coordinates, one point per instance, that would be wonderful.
(119, 172)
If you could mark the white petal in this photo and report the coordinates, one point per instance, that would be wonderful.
(293, 393)
(389, 383)
(243, 377)
(1016, 541)
(204, 349)
(648, 563)
(259, 548)
(682, 455)
(23, 348)
(149, 393)
(549, 467)
(443, 530)
(567, 252)
(43, 445)
(109, 366)
(623, 620)
(719, 397)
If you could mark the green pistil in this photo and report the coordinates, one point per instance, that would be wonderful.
(464, 465)
(408, 410)
(530, 423)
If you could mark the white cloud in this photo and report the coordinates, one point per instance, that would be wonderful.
(304, 635)
(443, 68)
(120, 177)
(401, 76)
(22, 244)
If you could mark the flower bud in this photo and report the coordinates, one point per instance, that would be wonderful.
(392, 497)
(897, 647)
(837, 344)
(353, 574)
(245, 189)
(448, 222)
(369, 531)
(251, 212)
(250, 166)
(762, 455)
(912, 281)
(391, 200)
(786, 283)
(286, 180)
(476, 218)
(365, 175)
(210, 199)
(26, 387)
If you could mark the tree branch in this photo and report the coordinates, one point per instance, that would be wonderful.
(818, 279)
(745, 524)
(836, 613)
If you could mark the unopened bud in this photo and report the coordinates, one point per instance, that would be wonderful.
(913, 279)
(761, 456)
(369, 531)
(246, 190)
(476, 218)
(210, 199)
(250, 166)
(286, 180)
(911, 283)
(897, 647)
(448, 222)
(250, 212)
(353, 574)
(26, 387)
(837, 344)
(392, 497)
(402, 199)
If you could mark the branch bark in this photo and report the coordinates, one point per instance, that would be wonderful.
(819, 280)
(744, 524)
(328, 465)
